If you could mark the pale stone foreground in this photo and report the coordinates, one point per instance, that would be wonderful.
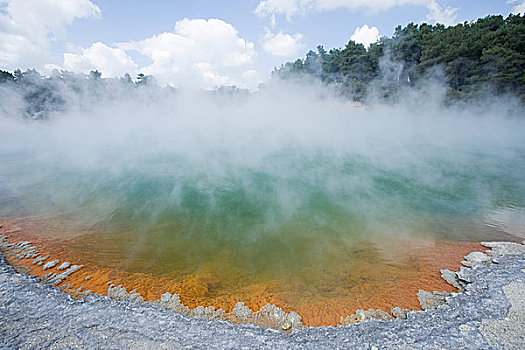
(489, 313)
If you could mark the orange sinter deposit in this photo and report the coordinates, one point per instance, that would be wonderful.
(378, 276)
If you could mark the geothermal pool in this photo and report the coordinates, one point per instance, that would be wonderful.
(320, 207)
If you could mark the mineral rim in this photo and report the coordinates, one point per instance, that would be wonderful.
(383, 291)
(488, 313)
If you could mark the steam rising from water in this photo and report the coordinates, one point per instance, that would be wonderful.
(274, 175)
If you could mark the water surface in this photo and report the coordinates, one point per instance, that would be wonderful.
(334, 208)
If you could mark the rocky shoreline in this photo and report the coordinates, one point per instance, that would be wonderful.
(322, 295)
(489, 312)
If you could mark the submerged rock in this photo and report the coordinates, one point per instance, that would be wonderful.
(21, 250)
(63, 266)
(50, 264)
(57, 278)
(40, 259)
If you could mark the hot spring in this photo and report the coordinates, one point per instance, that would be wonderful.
(313, 204)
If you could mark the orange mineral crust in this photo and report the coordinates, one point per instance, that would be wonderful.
(379, 275)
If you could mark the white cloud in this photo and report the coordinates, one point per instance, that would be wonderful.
(290, 8)
(519, 7)
(199, 52)
(27, 28)
(365, 35)
(283, 44)
(251, 77)
(110, 61)
(205, 72)
(438, 14)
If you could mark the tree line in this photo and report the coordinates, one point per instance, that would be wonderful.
(35, 96)
(471, 58)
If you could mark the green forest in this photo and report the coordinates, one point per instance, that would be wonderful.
(471, 57)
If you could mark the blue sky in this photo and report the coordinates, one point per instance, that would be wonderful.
(204, 43)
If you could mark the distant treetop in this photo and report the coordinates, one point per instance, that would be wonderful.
(487, 53)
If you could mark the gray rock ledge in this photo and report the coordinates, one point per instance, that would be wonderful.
(488, 314)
